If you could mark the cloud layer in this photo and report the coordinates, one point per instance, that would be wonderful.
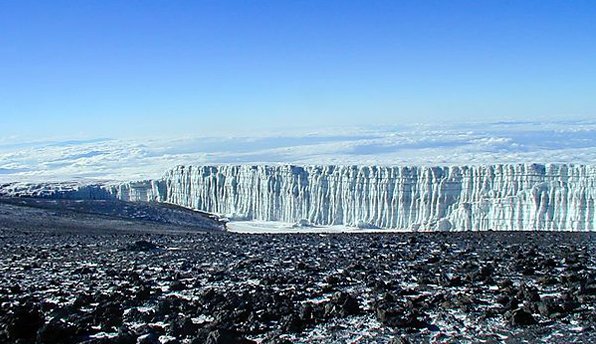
(471, 144)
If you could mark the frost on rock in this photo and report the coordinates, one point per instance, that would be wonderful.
(498, 197)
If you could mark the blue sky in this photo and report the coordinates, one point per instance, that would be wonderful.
(168, 68)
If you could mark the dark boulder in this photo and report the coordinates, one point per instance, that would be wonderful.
(292, 323)
(149, 338)
(23, 321)
(56, 331)
(520, 317)
(400, 316)
(226, 337)
(142, 245)
(177, 286)
(125, 336)
(108, 314)
(547, 307)
(182, 327)
(341, 305)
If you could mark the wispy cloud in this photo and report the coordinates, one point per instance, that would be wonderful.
(471, 143)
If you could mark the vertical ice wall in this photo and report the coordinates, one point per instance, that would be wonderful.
(140, 191)
(499, 197)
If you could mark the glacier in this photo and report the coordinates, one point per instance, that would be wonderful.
(498, 197)
(448, 198)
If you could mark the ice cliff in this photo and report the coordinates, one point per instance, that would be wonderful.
(499, 197)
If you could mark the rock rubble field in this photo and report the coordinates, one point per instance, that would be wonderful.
(73, 277)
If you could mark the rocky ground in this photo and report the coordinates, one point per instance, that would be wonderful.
(102, 279)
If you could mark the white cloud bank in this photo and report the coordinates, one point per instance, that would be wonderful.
(469, 144)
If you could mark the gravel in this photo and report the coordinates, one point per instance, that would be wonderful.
(83, 278)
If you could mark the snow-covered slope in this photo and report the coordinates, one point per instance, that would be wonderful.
(499, 197)
(57, 190)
